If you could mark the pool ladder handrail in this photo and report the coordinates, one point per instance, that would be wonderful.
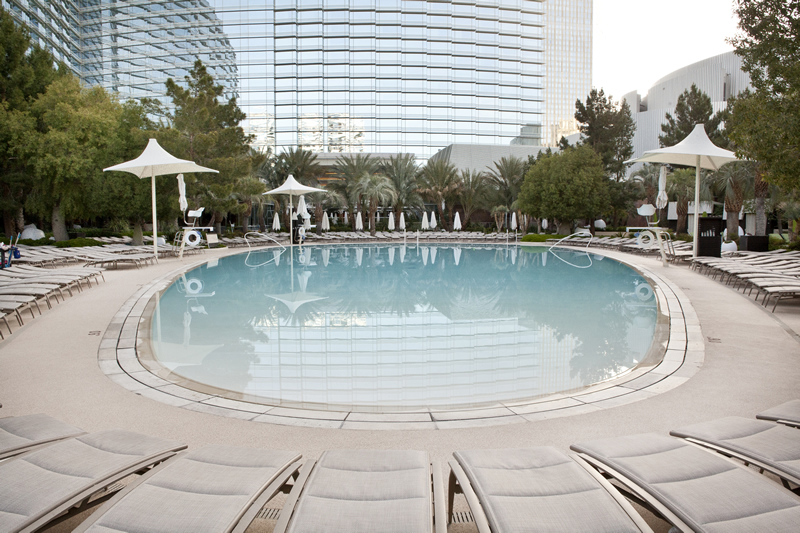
(580, 232)
(250, 250)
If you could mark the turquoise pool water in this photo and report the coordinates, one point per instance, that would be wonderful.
(380, 327)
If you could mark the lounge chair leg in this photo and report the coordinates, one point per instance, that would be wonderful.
(451, 493)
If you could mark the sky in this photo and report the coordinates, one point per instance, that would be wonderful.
(637, 42)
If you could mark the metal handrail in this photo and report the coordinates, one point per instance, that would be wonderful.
(250, 250)
(582, 231)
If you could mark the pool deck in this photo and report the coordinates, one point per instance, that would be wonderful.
(751, 362)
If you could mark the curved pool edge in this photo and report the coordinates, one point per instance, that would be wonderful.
(118, 358)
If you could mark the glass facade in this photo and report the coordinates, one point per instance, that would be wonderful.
(343, 75)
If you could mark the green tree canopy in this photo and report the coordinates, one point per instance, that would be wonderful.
(208, 132)
(765, 123)
(608, 128)
(566, 186)
(438, 182)
(693, 107)
(402, 170)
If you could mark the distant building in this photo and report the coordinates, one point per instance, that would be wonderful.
(720, 77)
(481, 157)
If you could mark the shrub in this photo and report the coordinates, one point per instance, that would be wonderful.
(534, 237)
(77, 243)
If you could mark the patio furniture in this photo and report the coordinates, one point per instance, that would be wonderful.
(39, 486)
(19, 434)
(213, 489)
(366, 491)
(692, 488)
(786, 413)
(771, 447)
(537, 489)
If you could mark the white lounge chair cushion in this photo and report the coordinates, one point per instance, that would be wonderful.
(772, 444)
(35, 483)
(366, 491)
(206, 490)
(540, 489)
(789, 411)
(18, 432)
(704, 490)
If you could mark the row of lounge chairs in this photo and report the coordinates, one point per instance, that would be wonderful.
(23, 287)
(108, 255)
(675, 251)
(772, 276)
(690, 481)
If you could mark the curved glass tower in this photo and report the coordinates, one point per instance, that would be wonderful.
(347, 75)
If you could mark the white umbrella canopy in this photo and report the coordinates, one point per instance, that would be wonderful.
(359, 222)
(696, 150)
(391, 222)
(302, 210)
(155, 161)
(514, 221)
(433, 220)
(326, 224)
(457, 222)
(276, 222)
(293, 188)
(424, 224)
(662, 200)
(402, 221)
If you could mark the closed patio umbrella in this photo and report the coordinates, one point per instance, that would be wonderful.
(433, 220)
(359, 222)
(424, 224)
(155, 161)
(402, 221)
(457, 222)
(514, 221)
(696, 150)
(326, 225)
(345, 218)
(391, 222)
(276, 222)
(662, 200)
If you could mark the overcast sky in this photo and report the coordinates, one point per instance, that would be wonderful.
(637, 42)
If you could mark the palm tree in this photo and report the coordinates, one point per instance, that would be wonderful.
(472, 192)
(680, 186)
(507, 178)
(248, 193)
(300, 163)
(648, 176)
(736, 181)
(438, 181)
(350, 169)
(499, 213)
(375, 189)
(268, 173)
(403, 171)
(329, 199)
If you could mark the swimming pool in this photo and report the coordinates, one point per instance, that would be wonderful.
(392, 327)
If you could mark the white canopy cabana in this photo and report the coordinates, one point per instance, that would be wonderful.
(696, 150)
(155, 161)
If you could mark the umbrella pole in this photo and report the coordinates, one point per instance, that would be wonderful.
(696, 221)
(155, 222)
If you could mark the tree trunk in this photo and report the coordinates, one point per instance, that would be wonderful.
(217, 222)
(732, 224)
(683, 213)
(450, 218)
(138, 234)
(262, 226)
(372, 227)
(59, 224)
(761, 192)
(20, 220)
(10, 224)
(318, 214)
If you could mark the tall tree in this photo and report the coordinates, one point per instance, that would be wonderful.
(26, 70)
(680, 186)
(735, 182)
(438, 182)
(693, 107)
(78, 138)
(765, 124)
(376, 190)
(208, 132)
(472, 192)
(402, 170)
(350, 169)
(505, 181)
(566, 186)
(608, 128)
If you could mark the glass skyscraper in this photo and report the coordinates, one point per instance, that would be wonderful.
(346, 75)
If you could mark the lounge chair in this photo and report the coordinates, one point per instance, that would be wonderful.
(537, 489)
(206, 490)
(769, 446)
(787, 413)
(38, 486)
(692, 488)
(366, 491)
(19, 434)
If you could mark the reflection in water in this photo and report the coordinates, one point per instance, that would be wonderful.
(396, 327)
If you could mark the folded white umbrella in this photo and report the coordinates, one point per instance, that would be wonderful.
(184, 204)
(402, 221)
(345, 218)
(544, 223)
(359, 223)
(326, 225)
(391, 222)
(457, 222)
(424, 224)
(514, 221)
(433, 220)
(276, 222)
(662, 200)
(302, 210)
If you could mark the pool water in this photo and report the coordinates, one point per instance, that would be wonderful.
(393, 327)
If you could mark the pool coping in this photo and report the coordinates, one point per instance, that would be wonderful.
(684, 355)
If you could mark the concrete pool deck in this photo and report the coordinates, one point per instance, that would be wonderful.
(50, 365)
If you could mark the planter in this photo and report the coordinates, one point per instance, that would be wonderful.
(754, 243)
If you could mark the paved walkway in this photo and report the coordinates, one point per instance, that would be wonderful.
(752, 362)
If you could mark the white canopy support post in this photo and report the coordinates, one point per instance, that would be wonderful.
(155, 221)
(696, 221)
